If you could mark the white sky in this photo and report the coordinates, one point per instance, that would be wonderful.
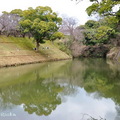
(67, 7)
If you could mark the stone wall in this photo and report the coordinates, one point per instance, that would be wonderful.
(88, 51)
(114, 54)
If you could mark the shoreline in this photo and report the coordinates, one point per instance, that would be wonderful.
(33, 62)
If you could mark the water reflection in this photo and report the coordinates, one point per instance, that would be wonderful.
(37, 97)
(64, 90)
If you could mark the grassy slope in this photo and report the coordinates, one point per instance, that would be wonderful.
(20, 51)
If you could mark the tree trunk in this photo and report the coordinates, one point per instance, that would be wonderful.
(8, 34)
(23, 35)
(37, 45)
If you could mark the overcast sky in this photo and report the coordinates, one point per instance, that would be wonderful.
(67, 7)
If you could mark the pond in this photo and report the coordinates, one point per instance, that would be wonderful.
(81, 89)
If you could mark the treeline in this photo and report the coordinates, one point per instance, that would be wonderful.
(40, 23)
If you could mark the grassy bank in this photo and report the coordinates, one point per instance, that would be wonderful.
(16, 51)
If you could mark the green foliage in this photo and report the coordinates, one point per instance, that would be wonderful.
(4, 12)
(104, 7)
(43, 97)
(91, 24)
(17, 12)
(41, 22)
(103, 33)
(100, 35)
(118, 15)
(107, 25)
(58, 35)
(11, 43)
(110, 21)
(89, 36)
(92, 9)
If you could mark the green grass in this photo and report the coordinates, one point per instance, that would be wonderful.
(53, 50)
(17, 50)
(8, 43)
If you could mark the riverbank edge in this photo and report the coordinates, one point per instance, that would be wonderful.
(34, 62)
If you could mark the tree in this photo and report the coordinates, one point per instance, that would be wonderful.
(97, 34)
(101, 31)
(68, 26)
(17, 12)
(105, 8)
(58, 35)
(3, 23)
(9, 23)
(42, 23)
(110, 21)
(91, 24)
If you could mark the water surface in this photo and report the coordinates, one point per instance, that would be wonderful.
(64, 90)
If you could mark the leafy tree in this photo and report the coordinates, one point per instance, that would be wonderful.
(110, 21)
(91, 24)
(42, 23)
(101, 31)
(103, 7)
(100, 35)
(89, 35)
(58, 35)
(17, 12)
(103, 34)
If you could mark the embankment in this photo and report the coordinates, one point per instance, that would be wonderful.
(103, 51)
(19, 51)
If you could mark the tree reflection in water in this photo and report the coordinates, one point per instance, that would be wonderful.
(37, 97)
(54, 81)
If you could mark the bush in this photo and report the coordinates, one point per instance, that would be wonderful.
(101, 35)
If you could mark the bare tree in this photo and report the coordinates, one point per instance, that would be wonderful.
(78, 34)
(68, 26)
(3, 23)
(9, 24)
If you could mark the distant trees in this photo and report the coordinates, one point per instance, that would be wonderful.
(9, 24)
(68, 26)
(73, 34)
